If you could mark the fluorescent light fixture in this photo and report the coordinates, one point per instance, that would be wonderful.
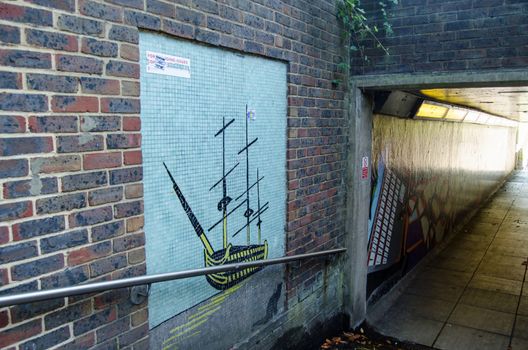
(432, 110)
(444, 112)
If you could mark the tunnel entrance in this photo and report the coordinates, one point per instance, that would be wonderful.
(440, 272)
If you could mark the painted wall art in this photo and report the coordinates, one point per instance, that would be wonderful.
(429, 176)
(214, 157)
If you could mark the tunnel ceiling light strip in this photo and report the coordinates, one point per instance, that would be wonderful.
(438, 111)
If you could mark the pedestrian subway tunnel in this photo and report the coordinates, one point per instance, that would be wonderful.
(447, 230)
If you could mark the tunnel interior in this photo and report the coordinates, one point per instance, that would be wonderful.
(446, 228)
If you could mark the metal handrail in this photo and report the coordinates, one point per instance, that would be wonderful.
(149, 279)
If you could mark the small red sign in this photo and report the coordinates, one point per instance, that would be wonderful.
(364, 168)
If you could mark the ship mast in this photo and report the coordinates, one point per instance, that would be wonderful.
(259, 222)
(249, 211)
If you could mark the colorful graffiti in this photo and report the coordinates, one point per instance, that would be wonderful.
(429, 176)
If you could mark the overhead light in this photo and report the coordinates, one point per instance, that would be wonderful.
(444, 112)
(433, 110)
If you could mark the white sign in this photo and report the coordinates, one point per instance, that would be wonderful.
(159, 63)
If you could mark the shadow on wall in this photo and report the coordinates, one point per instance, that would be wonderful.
(430, 176)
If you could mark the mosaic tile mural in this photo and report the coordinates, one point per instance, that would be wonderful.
(214, 148)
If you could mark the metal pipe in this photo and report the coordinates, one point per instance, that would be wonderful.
(148, 279)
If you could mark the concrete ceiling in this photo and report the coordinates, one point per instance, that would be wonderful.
(508, 102)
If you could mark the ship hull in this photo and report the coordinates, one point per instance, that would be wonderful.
(233, 255)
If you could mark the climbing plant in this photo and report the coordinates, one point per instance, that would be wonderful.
(356, 28)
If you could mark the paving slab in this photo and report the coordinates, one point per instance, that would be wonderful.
(490, 300)
(410, 328)
(496, 284)
(483, 319)
(435, 289)
(447, 277)
(423, 307)
(521, 327)
(455, 337)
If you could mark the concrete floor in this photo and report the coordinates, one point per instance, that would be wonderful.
(467, 297)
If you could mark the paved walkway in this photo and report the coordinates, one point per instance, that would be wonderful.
(469, 296)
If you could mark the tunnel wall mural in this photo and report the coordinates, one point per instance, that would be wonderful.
(214, 156)
(428, 176)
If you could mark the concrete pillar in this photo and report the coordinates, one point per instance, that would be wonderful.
(358, 202)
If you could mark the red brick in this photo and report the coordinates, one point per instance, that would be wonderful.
(4, 319)
(99, 86)
(17, 210)
(131, 124)
(4, 234)
(85, 254)
(21, 332)
(102, 160)
(133, 157)
(74, 104)
(22, 14)
(4, 279)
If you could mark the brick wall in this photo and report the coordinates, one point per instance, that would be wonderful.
(450, 36)
(70, 150)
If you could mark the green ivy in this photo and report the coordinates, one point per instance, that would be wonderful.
(356, 27)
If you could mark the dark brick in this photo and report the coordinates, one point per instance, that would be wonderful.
(4, 317)
(63, 241)
(126, 175)
(190, 16)
(38, 227)
(105, 195)
(161, 8)
(18, 251)
(103, 266)
(9, 80)
(51, 40)
(102, 160)
(128, 209)
(56, 83)
(13, 168)
(120, 105)
(130, 88)
(48, 340)
(82, 143)
(96, 320)
(122, 33)
(100, 86)
(23, 102)
(107, 231)
(74, 104)
(83, 342)
(89, 253)
(122, 69)
(16, 334)
(37, 267)
(84, 181)
(57, 164)
(20, 288)
(27, 188)
(253, 47)
(18, 210)
(101, 11)
(60, 203)
(178, 29)
(91, 217)
(100, 123)
(79, 64)
(4, 238)
(209, 6)
(113, 329)
(25, 145)
(110, 298)
(138, 4)
(59, 124)
(129, 242)
(25, 59)
(220, 25)
(10, 35)
(142, 20)
(207, 36)
(66, 5)
(23, 312)
(80, 25)
(65, 278)
(133, 271)
(23, 14)
(68, 314)
(99, 47)
(133, 335)
(116, 141)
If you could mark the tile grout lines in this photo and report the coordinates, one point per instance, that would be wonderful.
(474, 273)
